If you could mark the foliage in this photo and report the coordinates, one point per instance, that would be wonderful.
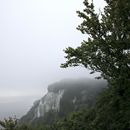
(112, 111)
(9, 124)
(80, 120)
(107, 49)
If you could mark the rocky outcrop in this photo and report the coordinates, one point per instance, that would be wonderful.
(64, 97)
(51, 101)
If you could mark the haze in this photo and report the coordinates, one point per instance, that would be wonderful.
(33, 34)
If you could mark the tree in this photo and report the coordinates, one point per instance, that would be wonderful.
(9, 124)
(107, 48)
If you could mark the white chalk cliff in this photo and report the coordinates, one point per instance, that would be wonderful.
(62, 98)
(51, 101)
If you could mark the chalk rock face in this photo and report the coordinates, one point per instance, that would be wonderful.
(51, 101)
(62, 98)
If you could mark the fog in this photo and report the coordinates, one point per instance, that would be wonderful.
(33, 34)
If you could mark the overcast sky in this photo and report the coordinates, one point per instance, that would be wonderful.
(33, 34)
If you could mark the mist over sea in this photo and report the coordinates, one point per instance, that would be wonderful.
(16, 106)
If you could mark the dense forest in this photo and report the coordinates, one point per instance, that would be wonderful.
(106, 50)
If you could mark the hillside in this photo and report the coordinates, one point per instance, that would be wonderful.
(62, 98)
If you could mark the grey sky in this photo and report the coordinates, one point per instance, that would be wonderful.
(33, 34)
